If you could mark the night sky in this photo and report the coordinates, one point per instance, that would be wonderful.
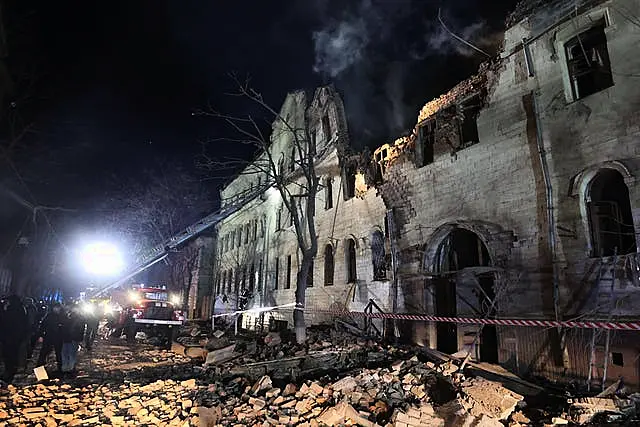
(117, 81)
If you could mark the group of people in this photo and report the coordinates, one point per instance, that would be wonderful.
(60, 328)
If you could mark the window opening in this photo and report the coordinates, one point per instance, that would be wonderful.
(288, 278)
(310, 276)
(610, 216)
(378, 256)
(468, 113)
(617, 359)
(351, 260)
(350, 182)
(277, 273)
(328, 265)
(588, 62)
(328, 193)
(326, 127)
(426, 142)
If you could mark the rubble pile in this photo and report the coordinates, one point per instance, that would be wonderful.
(409, 393)
(124, 358)
(163, 402)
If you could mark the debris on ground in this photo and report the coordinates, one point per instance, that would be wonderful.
(266, 379)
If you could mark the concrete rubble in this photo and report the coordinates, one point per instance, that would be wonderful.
(396, 387)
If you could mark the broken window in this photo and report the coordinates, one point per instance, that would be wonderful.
(310, 276)
(468, 115)
(276, 274)
(246, 233)
(288, 278)
(292, 159)
(425, 143)
(378, 256)
(255, 229)
(380, 159)
(349, 182)
(351, 260)
(328, 193)
(610, 216)
(588, 62)
(328, 265)
(326, 127)
(260, 274)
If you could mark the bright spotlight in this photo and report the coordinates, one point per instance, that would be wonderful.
(102, 258)
(175, 299)
(88, 308)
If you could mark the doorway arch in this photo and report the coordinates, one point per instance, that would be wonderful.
(454, 265)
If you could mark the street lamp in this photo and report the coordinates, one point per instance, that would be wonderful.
(102, 258)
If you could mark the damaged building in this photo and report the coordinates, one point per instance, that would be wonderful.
(258, 252)
(516, 196)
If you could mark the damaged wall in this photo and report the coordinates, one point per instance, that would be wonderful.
(495, 187)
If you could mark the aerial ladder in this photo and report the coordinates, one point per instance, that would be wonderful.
(162, 250)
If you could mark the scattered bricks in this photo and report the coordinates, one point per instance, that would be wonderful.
(316, 389)
(487, 397)
(274, 392)
(345, 385)
(289, 390)
(187, 403)
(257, 403)
(261, 385)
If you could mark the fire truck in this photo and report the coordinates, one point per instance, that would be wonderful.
(147, 309)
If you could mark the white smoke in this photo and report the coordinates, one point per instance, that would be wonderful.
(340, 45)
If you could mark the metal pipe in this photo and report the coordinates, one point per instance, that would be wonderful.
(550, 208)
(394, 267)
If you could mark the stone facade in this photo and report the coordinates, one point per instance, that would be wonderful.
(519, 187)
(258, 248)
(515, 196)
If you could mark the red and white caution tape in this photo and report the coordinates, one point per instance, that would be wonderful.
(621, 326)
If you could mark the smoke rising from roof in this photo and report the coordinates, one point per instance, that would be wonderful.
(381, 55)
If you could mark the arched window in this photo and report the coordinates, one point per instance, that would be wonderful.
(328, 265)
(350, 251)
(378, 257)
(328, 193)
(610, 217)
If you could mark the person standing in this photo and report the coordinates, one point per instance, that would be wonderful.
(13, 336)
(51, 332)
(92, 320)
(72, 336)
(33, 320)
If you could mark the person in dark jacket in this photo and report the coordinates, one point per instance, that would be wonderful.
(34, 320)
(72, 336)
(13, 335)
(51, 332)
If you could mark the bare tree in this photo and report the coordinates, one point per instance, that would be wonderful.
(161, 203)
(297, 186)
(182, 267)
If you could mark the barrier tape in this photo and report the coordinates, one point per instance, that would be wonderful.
(620, 326)
(256, 310)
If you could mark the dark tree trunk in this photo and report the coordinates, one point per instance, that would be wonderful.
(301, 288)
